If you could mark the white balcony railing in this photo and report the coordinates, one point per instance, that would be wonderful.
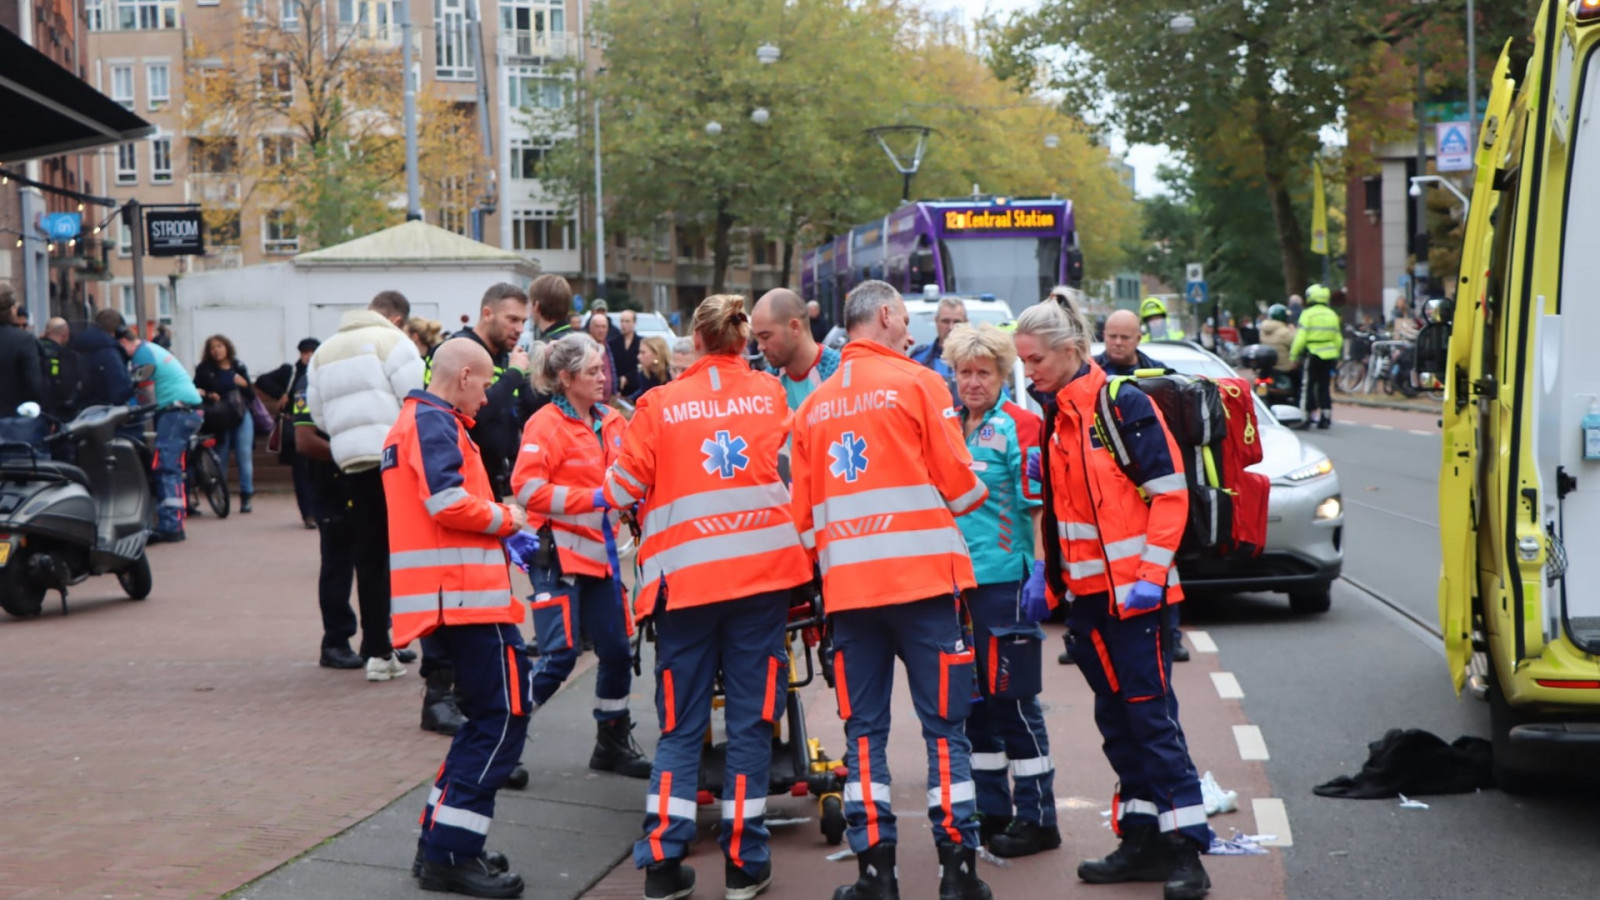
(215, 189)
(538, 44)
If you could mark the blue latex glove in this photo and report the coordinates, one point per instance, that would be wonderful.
(600, 499)
(1144, 595)
(1032, 470)
(521, 547)
(1035, 602)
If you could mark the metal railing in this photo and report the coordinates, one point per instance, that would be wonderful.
(538, 44)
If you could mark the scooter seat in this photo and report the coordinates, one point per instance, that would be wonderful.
(43, 468)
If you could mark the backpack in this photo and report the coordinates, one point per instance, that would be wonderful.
(1217, 436)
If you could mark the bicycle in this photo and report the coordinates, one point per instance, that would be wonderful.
(1353, 374)
(203, 475)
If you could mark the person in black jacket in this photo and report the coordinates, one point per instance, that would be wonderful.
(104, 368)
(225, 382)
(63, 380)
(498, 425)
(21, 378)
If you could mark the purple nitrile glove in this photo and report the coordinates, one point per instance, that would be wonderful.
(1035, 605)
(521, 547)
(1144, 595)
(600, 499)
(1033, 468)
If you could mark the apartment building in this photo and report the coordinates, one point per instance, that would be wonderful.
(143, 51)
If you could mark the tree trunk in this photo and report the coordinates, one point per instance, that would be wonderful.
(1291, 240)
(720, 250)
(791, 229)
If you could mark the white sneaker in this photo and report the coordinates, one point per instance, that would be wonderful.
(383, 668)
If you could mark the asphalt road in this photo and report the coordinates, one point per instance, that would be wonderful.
(1321, 687)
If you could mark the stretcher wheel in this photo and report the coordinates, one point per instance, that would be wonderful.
(832, 808)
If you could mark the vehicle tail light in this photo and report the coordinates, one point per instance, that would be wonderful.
(1568, 682)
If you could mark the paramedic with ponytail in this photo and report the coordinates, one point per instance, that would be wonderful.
(1009, 743)
(566, 447)
(1110, 536)
(719, 554)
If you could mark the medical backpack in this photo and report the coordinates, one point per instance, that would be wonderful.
(1213, 422)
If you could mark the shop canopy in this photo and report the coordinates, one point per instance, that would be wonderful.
(48, 110)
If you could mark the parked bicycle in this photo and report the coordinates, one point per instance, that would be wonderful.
(1351, 376)
(204, 476)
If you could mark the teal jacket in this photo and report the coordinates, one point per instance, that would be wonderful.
(999, 533)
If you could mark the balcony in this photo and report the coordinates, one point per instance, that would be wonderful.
(537, 45)
(214, 189)
(369, 33)
(693, 273)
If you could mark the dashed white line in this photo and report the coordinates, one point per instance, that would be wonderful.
(1227, 686)
(1272, 818)
(1252, 746)
(1381, 427)
(1202, 641)
(1422, 432)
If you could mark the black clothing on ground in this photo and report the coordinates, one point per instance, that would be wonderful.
(104, 368)
(1416, 762)
(21, 377)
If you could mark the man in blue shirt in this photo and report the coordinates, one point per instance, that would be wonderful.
(159, 379)
(952, 312)
(782, 332)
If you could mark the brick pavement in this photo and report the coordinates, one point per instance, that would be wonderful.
(182, 746)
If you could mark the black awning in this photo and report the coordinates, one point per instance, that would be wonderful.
(47, 110)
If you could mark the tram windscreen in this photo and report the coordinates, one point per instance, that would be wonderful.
(1019, 270)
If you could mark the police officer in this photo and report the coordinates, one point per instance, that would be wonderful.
(701, 452)
(566, 448)
(1009, 742)
(1320, 339)
(1153, 318)
(1113, 551)
(501, 317)
(62, 378)
(880, 472)
(449, 580)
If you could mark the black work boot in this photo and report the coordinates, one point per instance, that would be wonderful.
(1025, 839)
(440, 711)
(670, 880)
(494, 858)
(475, 878)
(958, 874)
(878, 879)
(989, 826)
(244, 502)
(616, 751)
(741, 885)
(1066, 652)
(1187, 879)
(1140, 857)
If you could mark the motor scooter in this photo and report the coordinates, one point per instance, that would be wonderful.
(62, 523)
(1275, 387)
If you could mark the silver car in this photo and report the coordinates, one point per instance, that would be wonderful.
(1305, 513)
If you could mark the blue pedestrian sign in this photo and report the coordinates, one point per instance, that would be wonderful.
(1453, 145)
(1195, 292)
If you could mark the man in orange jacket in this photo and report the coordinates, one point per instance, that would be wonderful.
(449, 579)
(881, 470)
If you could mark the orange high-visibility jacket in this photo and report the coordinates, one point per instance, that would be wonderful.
(1110, 536)
(561, 463)
(446, 563)
(702, 453)
(881, 470)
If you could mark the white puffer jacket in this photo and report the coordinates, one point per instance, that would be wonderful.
(356, 383)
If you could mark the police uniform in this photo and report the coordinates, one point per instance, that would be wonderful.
(719, 556)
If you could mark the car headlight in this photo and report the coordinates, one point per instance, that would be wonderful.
(1329, 509)
(1321, 467)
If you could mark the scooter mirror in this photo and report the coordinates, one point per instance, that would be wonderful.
(28, 410)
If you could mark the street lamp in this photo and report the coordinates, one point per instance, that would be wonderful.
(760, 115)
(1417, 181)
(1182, 23)
(713, 128)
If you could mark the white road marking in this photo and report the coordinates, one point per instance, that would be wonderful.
(1251, 744)
(1382, 427)
(1202, 641)
(1423, 433)
(1272, 818)
(1227, 686)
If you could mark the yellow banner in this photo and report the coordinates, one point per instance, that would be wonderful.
(1319, 213)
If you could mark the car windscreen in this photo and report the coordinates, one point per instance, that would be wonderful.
(924, 327)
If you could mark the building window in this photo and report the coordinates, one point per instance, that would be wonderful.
(277, 150)
(527, 158)
(124, 240)
(450, 45)
(289, 14)
(542, 229)
(279, 233)
(252, 10)
(95, 12)
(371, 19)
(122, 85)
(147, 14)
(127, 164)
(161, 160)
(663, 242)
(212, 157)
(164, 308)
(534, 27)
(157, 85)
(275, 83)
(455, 218)
(530, 88)
(126, 303)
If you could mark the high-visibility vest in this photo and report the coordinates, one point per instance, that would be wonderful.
(702, 455)
(1319, 333)
(881, 470)
(1110, 536)
(446, 563)
(561, 463)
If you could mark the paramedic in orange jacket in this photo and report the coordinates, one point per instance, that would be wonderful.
(566, 447)
(880, 471)
(450, 580)
(720, 556)
(1109, 539)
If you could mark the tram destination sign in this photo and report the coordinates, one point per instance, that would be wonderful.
(988, 219)
(174, 232)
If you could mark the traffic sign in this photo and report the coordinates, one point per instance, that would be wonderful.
(1454, 147)
(1194, 272)
(1195, 291)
